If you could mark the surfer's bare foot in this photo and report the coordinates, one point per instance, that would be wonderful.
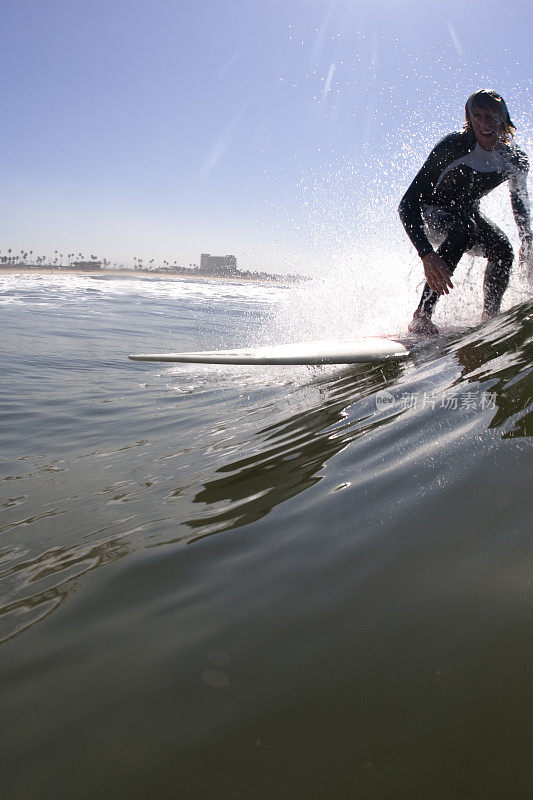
(422, 324)
(488, 315)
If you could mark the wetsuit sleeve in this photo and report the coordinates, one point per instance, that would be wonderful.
(419, 193)
(520, 199)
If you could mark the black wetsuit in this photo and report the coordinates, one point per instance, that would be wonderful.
(442, 205)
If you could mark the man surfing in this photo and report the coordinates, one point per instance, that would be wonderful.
(441, 206)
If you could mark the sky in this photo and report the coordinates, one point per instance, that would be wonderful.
(281, 131)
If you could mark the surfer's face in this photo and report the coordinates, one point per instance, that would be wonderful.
(488, 128)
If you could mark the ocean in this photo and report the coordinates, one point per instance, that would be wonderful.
(242, 582)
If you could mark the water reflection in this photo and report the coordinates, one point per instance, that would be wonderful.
(294, 451)
(500, 358)
(495, 361)
(267, 449)
(46, 581)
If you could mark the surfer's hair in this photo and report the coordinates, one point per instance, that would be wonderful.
(489, 100)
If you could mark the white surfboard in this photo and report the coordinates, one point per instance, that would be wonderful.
(366, 349)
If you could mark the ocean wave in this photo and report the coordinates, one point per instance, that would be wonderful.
(230, 452)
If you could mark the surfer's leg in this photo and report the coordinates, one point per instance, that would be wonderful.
(460, 232)
(497, 249)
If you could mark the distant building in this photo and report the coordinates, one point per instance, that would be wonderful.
(218, 265)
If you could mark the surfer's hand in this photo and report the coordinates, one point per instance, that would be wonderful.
(437, 273)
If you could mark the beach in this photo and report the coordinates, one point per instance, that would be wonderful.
(133, 273)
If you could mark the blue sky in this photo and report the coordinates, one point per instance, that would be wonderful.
(166, 128)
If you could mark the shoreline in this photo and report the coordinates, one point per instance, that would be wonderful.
(137, 273)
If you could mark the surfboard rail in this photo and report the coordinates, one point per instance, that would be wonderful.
(365, 349)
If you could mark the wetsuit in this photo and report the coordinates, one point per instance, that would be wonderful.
(441, 206)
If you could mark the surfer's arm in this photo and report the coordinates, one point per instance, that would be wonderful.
(419, 194)
(521, 211)
(410, 211)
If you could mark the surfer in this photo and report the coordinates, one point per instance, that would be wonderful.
(441, 206)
